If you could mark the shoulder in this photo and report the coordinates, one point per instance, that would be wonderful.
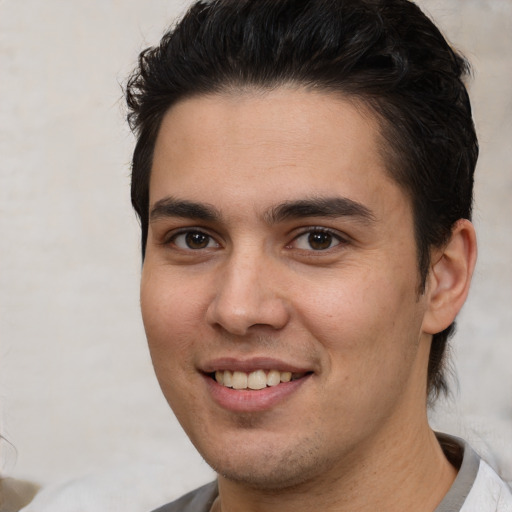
(199, 500)
(477, 488)
(128, 488)
(489, 492)
(15, 494)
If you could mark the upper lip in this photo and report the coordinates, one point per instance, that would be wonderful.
(252, 364)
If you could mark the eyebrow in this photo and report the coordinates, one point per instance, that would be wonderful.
(333, 207)
(320, 207)
(172, 207)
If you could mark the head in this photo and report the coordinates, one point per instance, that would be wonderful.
(385, 55)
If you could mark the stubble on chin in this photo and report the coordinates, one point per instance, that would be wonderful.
(274, 470)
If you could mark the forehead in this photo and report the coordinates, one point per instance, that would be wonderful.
(255, 145)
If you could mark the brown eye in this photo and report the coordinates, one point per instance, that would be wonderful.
(319, 241)
(194, 240)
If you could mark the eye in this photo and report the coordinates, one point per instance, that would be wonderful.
(193, 240)
(316, 240)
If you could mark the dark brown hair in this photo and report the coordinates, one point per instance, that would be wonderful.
(385, 53)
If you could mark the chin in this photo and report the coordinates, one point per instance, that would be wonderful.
(270, 468)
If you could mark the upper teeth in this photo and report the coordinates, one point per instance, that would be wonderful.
(258, 379)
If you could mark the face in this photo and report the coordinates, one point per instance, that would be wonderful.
(279, 289)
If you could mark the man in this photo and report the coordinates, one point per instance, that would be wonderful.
(303, 174)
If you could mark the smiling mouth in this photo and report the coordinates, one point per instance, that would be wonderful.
(258, 379)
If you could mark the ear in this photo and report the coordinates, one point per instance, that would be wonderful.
(449, 277)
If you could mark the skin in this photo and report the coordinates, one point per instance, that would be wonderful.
(255, 284)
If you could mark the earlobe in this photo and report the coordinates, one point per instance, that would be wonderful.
(449, 278)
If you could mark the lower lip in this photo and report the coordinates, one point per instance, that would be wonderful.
(252, 400)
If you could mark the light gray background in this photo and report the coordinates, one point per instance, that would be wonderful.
(77, 392)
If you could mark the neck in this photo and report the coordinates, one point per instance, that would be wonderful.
(404, 471)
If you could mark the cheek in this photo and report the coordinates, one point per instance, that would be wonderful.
(347, 307)
(369, 336)
(364, 320)
(170, 319)
(170, 330)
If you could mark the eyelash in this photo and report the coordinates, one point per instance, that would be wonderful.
(171, 240)
(310, 231)
(322, 231)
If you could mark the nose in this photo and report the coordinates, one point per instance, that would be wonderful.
(247, 297)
